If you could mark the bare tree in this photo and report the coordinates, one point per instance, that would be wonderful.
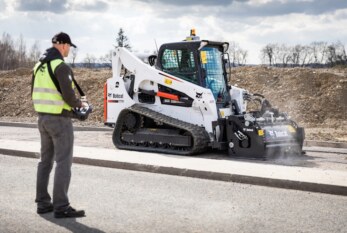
(296, 53)
(238, 56)
(89, 61)
(268, 53)
(74, 53)
(306, 55)
(21, 50)
(232, 51)
(284, 54)
(331, 54)
(319, 50)
(35, 52)
(107, 59)
(324, 50)
(8, 56)
(276, 60)
(243, 54)
(341, 53)
(336, 54)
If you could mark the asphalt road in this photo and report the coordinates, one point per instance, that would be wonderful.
(128, 201)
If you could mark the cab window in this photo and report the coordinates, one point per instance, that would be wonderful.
(211, 62)
(180, 63)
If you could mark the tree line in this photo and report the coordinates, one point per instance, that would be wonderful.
(315, 54)
(14, 53)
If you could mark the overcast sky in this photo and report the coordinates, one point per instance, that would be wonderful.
(93, 24)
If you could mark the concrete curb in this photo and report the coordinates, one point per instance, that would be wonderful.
(307, 143)
(270, 182)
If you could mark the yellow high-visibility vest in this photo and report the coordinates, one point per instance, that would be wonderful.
(45, 96)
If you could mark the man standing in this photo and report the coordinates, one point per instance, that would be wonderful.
(54, 98)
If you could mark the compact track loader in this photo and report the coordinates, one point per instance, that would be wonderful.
(181, 103)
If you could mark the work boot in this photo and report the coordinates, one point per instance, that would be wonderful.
(43, 210)
(69, 213)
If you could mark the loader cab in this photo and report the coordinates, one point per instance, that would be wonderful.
(198, 62)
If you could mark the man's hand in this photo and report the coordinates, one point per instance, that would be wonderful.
(84, 102)
(85, 105)
(84, 98)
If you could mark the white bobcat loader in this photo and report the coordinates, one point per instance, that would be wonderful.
(181, 103)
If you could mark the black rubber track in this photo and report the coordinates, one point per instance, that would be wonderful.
(199, 134)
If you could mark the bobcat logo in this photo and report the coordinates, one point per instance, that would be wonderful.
(199, 95)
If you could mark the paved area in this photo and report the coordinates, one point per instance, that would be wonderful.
(128, 201)
(320, 172)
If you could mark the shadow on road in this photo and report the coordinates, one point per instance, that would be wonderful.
(71, 224)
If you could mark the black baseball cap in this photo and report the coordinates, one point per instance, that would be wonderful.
(62, 38)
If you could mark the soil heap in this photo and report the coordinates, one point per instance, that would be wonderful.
(314, 98)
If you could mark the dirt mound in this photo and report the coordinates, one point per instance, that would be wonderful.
(310, 96)
(15, 88)
(315, 98)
